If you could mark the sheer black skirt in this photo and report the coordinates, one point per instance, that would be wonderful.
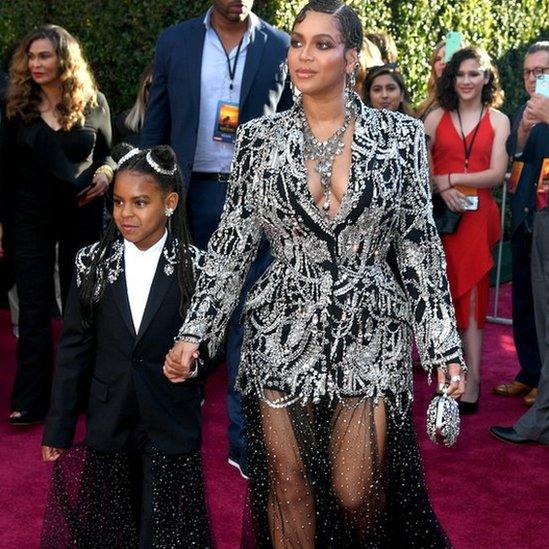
(96, 501)
(342, 474)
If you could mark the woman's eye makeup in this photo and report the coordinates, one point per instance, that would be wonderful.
(324, 45)
(321, 44)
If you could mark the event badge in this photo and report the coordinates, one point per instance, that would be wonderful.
(542, 198)
(226, 121)
(542, 85)
(514, 176)
(453, 43)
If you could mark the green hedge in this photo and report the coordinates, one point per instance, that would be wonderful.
(119, 35)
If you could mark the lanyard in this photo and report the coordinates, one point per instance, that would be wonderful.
(467, 150)
(232, 70)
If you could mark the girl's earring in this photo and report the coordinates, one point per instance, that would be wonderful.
(168, 212)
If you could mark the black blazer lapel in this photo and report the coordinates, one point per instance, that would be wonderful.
(253, 59)
(195, 45)
(160, 285)
(120, 297)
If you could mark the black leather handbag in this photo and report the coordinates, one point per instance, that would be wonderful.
(446, 221)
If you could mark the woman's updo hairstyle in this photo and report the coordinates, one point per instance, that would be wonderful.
(348, 21)
(160, 165)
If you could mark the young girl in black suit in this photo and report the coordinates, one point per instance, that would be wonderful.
(137, 479)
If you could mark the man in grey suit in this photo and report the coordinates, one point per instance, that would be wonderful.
(211, 74)
(533, 426)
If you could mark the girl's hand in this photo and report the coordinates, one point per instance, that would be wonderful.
(178, 365)
(51, 454)
(454, 379)
(455, 200)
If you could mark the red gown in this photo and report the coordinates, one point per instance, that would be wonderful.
(469, 250)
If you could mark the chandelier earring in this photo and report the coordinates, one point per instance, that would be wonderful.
(351, 78)
(285, 70)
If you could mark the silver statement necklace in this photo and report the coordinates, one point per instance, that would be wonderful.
(324, 152)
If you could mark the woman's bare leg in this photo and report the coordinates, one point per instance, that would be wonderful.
(291, 509)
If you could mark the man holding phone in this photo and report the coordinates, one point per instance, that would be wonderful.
(533, 426)
(523, 204)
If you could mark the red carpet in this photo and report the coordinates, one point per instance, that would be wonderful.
(485, 492)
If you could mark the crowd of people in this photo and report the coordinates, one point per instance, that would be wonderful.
(266, 203)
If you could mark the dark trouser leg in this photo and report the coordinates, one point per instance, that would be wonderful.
(34, 259)
(205, 201)
(81, 227)
(534, 424)
(235, 333)
(524, 325)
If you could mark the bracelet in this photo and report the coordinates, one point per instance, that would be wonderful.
(188, 338)
(106, 170)
(450, 181)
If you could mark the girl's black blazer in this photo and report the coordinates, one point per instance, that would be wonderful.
(120, 371)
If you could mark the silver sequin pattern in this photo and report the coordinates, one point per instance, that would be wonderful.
(329, 316)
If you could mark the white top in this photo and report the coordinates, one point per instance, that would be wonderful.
(140, 267)
(215, 156)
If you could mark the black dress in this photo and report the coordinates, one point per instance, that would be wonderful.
(42, 170)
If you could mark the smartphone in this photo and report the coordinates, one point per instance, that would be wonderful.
(542, 85)
(471, 203)
(452, 43)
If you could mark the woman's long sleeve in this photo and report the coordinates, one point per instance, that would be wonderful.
(231, 250)
(421, 260)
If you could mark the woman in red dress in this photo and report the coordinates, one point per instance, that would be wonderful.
(467, 142)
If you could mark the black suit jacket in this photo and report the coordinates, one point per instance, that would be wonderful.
(174, 103)
(121, 371)
(523, 200)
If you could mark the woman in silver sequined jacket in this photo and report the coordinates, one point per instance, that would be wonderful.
(326, 368)
(329, 317)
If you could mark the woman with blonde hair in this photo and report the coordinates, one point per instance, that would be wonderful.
(56, 167)
(127, 125)
(369, 57)
(437, 64)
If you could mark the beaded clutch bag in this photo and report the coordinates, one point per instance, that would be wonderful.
(443, 419)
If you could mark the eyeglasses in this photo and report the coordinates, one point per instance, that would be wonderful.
(536, 71)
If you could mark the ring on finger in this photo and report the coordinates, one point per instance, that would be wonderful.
(455, 379)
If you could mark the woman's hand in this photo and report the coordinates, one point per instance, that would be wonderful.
(455, 200)
(51, 454)
(178, 365)
(454, 378)
(99, 186)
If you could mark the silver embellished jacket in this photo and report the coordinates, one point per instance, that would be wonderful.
(333, 314)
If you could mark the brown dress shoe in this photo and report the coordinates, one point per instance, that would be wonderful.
(530, 398)
(514, 389)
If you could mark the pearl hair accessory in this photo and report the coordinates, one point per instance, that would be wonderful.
(128, 155)
(157, 167)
